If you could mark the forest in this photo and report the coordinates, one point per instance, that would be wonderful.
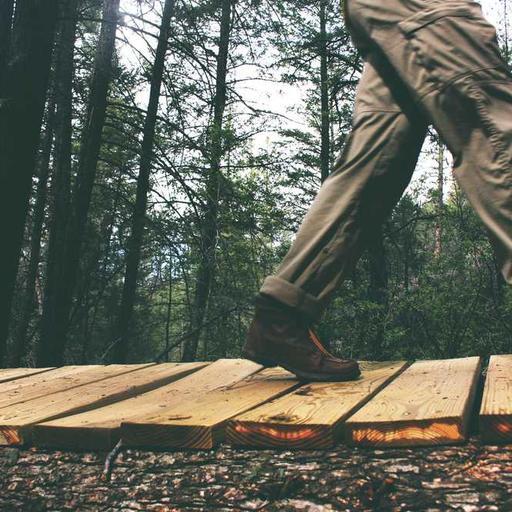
(156, 160)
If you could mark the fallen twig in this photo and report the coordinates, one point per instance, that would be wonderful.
(109, 461)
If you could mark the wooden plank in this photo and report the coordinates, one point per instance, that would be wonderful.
(496, 408)
(64, 376)
(16, 421)
(312, 416)
(428, 404)
(100, 428)
(199, 423)
(55, 380)
(8, 374)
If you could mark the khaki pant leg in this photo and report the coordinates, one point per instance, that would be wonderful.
(366, 183)
(447, 55)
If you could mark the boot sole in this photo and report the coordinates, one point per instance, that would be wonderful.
(302, 375)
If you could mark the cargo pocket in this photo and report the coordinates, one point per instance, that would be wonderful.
(493, 104)
(447, 42)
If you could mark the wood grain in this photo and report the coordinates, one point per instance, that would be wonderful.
(311, 416)
(199, 423)
(8, 374)
(17, 421)
(430, 403)
(59, 379)
(496, 409)
(100, 428)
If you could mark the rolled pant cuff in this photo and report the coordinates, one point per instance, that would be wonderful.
(292, 295)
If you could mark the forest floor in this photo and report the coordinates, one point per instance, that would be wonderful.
(470, 477)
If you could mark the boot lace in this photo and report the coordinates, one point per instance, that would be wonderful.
(316, 341)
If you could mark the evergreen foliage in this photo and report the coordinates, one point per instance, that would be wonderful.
(231, 175)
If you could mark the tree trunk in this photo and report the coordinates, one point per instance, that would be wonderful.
(168, 315)
(6, 12)
(209, 235)
(23, 90)
(133, 256)
(440, 201)
(506, 46)
(21, 333)
(61, 182)
(324, 94)
(58, 304)
(378, 289)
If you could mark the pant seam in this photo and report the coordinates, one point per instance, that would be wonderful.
(454, 79)
(389, 110)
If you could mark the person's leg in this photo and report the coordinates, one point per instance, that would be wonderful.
(447, 55)
(367, 181)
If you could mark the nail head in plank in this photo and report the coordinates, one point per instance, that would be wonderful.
(496, 408)
(8, 374)
(200, 423)
(16, 421)
(428, 404)
(311, 416)
(100, 428)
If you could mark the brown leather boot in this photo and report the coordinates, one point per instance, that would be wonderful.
(280, 336)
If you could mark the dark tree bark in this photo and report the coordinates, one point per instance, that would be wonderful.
(169, 310)
(506, 46)
(209, 235)
(61, 182)
(325, 146)
(440, 202)
(27, 308)
(23, 89)
(58, 305)
(378, 288)
(133, 256)
(6, 12)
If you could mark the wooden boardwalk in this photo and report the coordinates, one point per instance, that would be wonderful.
(198, 405)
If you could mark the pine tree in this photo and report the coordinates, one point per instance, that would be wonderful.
(23, 89)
